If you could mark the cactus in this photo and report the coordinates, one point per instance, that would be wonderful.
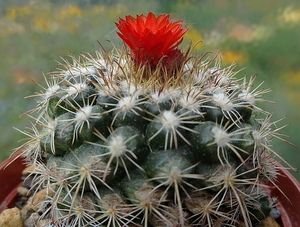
(150, 135)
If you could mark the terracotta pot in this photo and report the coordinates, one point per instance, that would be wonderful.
(10, 178)
(288, 196)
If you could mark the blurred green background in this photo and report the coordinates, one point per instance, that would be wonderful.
(262, 36)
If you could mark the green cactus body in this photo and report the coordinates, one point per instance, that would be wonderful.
(125, 145)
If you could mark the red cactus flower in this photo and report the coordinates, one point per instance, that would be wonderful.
(152, 38)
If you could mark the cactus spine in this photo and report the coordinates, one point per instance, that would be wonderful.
(151, 136)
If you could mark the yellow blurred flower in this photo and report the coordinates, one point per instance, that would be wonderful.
(193, 35)
(289, 15)
(14, 13)
(42, 24)
(291, 89)
(292, 78)
(70, 11)
(115, 12)
(67, 18)
(231, 56)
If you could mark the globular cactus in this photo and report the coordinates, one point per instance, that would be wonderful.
(151, 136)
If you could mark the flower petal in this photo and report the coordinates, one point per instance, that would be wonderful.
(150, 38)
